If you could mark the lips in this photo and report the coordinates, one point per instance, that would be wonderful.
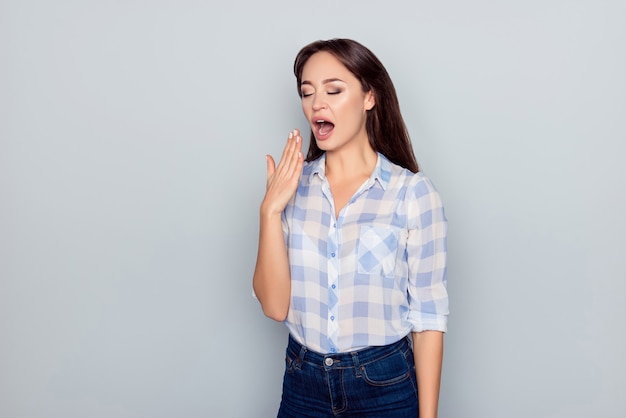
(323, 128)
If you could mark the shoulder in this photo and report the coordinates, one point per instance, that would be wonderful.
(399, 177)
(419, 194)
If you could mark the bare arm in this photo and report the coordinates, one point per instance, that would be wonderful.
(272, 279)
(428, 353)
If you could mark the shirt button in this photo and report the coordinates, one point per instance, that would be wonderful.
(333, 286)
(329, 362)
(332, 317)
(332, 254)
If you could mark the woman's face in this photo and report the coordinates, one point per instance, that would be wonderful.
(334, 103)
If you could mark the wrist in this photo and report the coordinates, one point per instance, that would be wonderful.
(267, 212)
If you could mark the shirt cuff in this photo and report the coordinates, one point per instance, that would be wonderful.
(428, 322)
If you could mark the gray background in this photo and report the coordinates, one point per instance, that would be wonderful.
(132, 143)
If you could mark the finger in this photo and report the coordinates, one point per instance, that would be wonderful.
(296, 133)
(285, 153)
(271, 165)
(295, 172)
(285, 160)
(296, 156)
(300, 163)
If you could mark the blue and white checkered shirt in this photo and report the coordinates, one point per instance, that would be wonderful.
(375, 273)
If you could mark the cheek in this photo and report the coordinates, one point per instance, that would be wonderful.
(355, 109)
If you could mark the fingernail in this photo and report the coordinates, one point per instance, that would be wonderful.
(298, 139)
(290, 135)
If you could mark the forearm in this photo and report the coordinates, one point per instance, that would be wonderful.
(428, 354)
(272, 279)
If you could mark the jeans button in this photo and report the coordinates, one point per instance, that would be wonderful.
(328, 361)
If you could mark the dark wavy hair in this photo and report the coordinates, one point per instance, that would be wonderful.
(385, 127)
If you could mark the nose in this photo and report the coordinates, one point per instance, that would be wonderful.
(318, 103)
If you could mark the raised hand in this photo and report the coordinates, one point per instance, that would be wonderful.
(282, 179)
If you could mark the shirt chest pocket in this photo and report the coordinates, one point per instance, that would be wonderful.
(376, 250)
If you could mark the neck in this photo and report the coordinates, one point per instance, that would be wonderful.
(350, 163)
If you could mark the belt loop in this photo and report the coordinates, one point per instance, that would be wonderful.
(300, 357)
(355, 361)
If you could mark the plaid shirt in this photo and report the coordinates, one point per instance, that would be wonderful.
(375, 273)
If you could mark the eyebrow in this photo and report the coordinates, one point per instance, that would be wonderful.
(326, 81)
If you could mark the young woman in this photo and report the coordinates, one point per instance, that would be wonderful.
(352, 248)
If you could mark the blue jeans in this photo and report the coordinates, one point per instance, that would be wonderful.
(376, 382)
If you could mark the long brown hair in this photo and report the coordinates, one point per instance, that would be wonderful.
(385, 127)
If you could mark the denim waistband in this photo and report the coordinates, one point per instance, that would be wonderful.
(345, 360)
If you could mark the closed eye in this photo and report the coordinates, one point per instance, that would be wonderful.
(330, 92)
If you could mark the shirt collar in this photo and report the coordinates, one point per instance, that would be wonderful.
(381, 173)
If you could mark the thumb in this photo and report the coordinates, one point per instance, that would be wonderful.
(271, 165)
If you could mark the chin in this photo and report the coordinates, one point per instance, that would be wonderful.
(323, 145)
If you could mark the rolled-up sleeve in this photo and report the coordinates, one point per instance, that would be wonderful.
(426, 257)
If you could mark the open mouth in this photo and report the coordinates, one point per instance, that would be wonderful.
(324, 127)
